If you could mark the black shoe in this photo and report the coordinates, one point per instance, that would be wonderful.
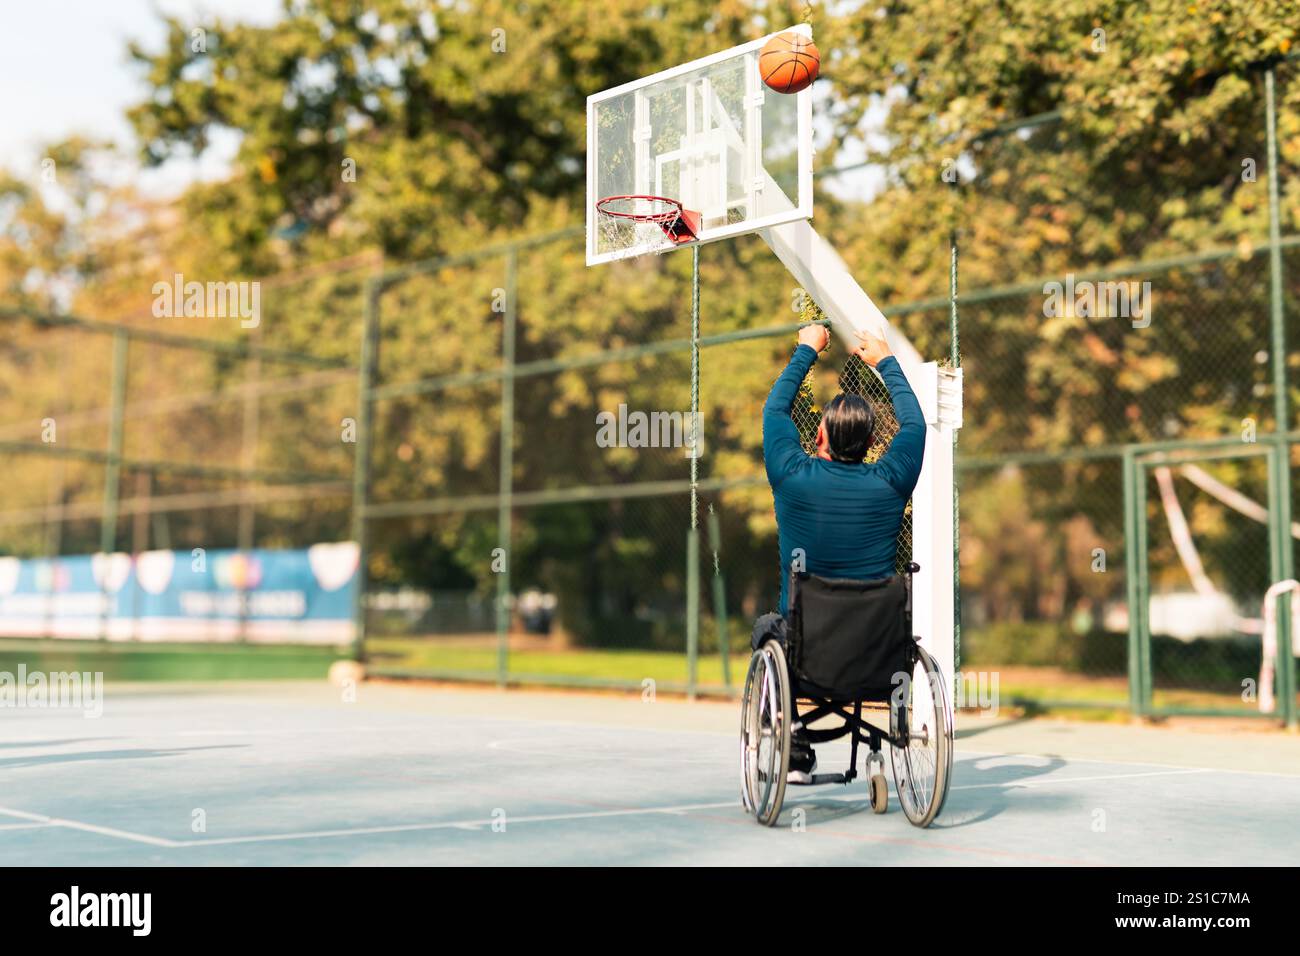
(802, 759)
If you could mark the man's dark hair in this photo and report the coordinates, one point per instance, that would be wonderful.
(849, 420)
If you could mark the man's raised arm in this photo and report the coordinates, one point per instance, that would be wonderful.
(781, 447)
(900, 465)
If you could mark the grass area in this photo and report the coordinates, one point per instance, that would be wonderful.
(138, 660)
(1202, 699)
(1035, 688)
(588, 664)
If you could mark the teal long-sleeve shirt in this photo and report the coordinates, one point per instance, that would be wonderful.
(845, 517)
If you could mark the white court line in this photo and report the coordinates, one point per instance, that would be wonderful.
(476, 824)
(42, 820)
(22, 826)
(462, 824)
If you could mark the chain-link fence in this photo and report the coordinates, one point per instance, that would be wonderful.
(196, 436)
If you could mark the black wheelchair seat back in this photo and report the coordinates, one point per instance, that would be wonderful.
(850, 639)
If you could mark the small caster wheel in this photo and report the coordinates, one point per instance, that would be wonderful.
(879, 793)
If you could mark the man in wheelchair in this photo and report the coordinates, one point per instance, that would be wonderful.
(838, 516)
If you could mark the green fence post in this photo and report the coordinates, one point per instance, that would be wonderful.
(505, 484)
(361, 462)
(54, 537)
(245, 536)
(1279, 544)
(1146, 672)
(113, 465)
(1280, 471)
(719, 596)
(1130, 574)
(1283, 570)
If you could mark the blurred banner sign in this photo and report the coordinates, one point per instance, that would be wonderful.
(288, 597)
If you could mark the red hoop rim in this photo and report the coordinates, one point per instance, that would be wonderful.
(668, 215)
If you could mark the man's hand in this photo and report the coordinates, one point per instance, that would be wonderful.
(815, 335)
(871, 348)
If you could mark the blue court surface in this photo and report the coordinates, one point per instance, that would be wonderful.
(290, 773)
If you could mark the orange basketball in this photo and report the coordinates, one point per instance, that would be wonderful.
(789, 62)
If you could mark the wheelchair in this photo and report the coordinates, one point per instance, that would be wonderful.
(847, 649)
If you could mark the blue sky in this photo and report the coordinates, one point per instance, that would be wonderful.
(64, 69)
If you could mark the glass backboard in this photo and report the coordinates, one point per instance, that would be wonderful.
(708, 134)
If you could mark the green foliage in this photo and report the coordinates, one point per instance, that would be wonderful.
(1006, 644)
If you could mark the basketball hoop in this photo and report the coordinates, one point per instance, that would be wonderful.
(639, 218)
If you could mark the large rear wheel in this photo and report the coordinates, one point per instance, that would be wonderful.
(765, 717)
(922, 756)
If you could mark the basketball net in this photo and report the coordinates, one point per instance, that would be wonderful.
(634, 225)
